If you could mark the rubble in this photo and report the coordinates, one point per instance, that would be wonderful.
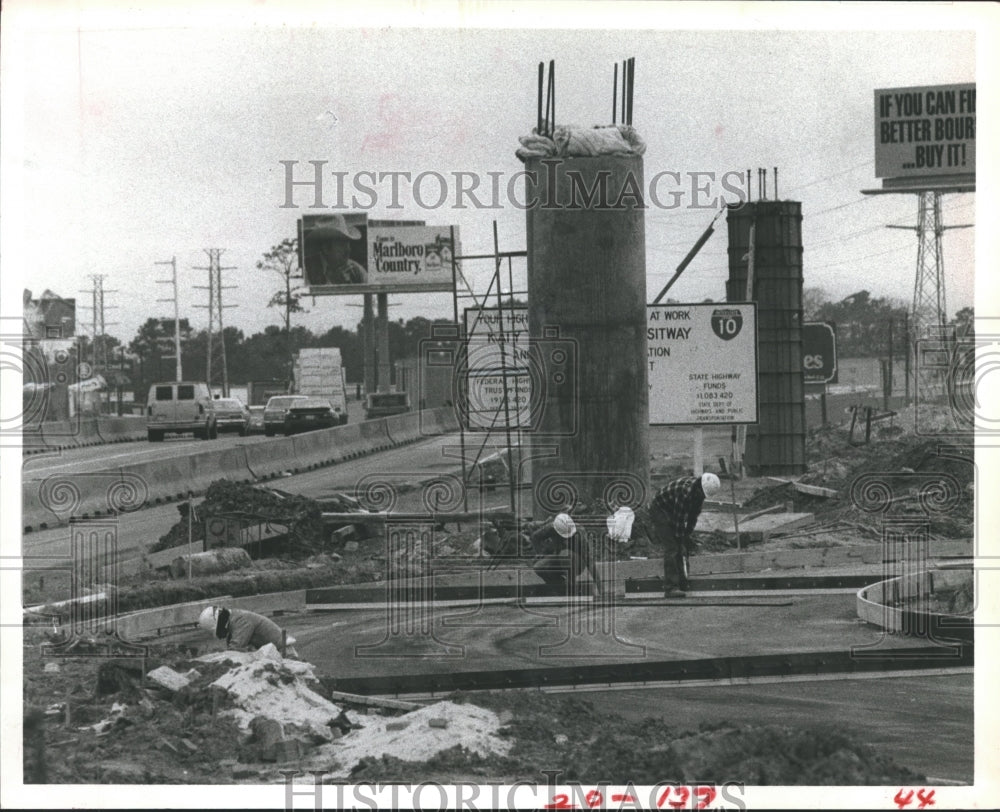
(166, 677)
(430, 730)
(263, 684)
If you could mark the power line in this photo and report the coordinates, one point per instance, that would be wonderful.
(851, 260)
(841, 206)
(831, 177)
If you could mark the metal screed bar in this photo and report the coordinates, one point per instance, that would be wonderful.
(917, 658)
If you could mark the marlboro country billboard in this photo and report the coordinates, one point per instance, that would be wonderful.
(344, 254)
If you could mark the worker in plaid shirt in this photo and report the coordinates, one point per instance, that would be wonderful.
(673, 513)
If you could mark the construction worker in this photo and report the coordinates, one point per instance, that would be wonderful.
(244, 630)
(563, 553)
(673, 513)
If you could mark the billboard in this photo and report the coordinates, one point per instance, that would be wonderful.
(702, 363)
(345, 254)
(925, 131)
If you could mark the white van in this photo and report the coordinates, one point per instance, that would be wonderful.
(180, 407)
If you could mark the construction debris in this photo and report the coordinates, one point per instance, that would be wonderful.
(166, 677)
(211, 562)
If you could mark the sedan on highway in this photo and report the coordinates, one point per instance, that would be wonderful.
(274, 412)
(231, 415)
(256, 419)
(310, 414)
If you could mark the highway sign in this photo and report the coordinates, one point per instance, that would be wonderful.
(702, 363)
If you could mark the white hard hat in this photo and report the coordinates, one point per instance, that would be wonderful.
(620, 524)
(207, 619)
(564, 525)
(710, 484)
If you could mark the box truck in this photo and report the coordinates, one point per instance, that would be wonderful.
(319, 372)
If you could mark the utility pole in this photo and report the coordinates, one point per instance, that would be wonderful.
(215, 308)
(172, 262)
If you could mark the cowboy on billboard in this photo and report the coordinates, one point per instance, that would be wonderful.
(329, 246)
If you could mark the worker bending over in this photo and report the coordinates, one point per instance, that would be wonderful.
(245, 630)
(673, 513)
(563, 554)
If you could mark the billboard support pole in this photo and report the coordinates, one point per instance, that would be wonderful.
(382, 342)
(458, 382)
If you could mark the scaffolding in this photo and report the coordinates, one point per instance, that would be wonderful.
(479, 422)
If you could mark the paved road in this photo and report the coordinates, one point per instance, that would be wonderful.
(113, 455)
(407, 464)
(923, 722)
(408, 641)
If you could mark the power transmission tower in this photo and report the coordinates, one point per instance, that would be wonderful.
(98, 345)
(929, 311)
(216, 352)
(172, 262)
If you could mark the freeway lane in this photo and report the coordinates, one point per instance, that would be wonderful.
(110, 456)
(416, 462)
(676, 441)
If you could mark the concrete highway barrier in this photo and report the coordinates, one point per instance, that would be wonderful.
(54, 500)
(165, 479)
(271, 457)
(121, 429)
(358, 439)
(316, 448)
(54, 435)
(32, 441)
(404, 428)
(59, 434)
(218, 462)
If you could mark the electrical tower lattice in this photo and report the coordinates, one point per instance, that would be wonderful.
(929, 307)
(216, 370)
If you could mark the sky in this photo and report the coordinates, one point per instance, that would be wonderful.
(147, 137)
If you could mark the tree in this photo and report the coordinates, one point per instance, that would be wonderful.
(812, 300)
(965, 322)
(863, 323)
(283, 259)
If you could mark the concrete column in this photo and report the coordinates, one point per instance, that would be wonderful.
(587, 297)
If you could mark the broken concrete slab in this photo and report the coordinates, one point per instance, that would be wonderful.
(166, 677)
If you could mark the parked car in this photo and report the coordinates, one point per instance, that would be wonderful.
(256, 420)
(386, 404)
(180, 407)
(274, 412)
(310, 414)
(231, 415)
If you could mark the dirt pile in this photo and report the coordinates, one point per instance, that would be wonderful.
(569, 734)
(301, 515)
